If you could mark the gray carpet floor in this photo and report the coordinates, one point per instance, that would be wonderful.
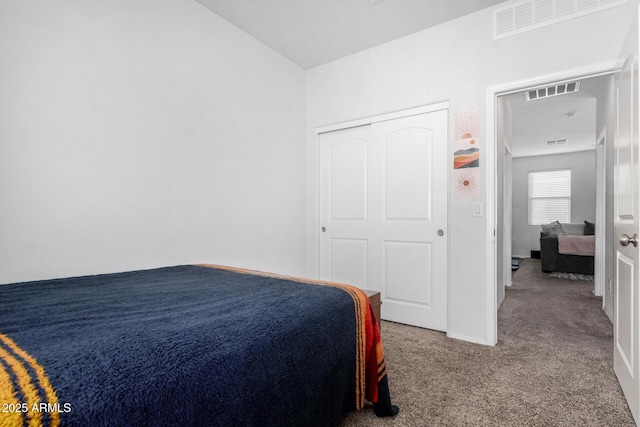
(552, 366)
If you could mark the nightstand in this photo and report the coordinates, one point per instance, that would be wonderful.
(374, 300)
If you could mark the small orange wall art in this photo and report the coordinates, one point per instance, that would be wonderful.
(466, 158)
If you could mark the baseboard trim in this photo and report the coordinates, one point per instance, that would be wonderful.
(609, 315)
(503, 297)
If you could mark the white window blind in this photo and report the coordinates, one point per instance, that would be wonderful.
(549, 196)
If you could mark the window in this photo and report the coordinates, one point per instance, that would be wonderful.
(549, 196)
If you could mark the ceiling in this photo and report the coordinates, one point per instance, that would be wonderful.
(538, 121)
(314, 32)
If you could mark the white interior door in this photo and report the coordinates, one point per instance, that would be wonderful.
(626, 295)
(507, 232)
(601, 221)
(383, 214)
(344, 214)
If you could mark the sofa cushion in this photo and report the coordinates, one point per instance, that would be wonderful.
(573, 229)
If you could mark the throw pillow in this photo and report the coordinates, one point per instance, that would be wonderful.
(553, 229)
(589, 228)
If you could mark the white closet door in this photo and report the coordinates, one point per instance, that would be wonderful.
(383, 209)
(344, 206)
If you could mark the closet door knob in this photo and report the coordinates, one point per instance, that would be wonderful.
(625, 240)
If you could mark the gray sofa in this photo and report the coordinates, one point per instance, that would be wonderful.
(553, 261)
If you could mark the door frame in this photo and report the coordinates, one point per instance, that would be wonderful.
(491, 249)
(507, 201)
(349, 124)
(601, 217)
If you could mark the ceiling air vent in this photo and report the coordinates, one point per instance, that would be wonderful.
(521, 16)
(555, 90)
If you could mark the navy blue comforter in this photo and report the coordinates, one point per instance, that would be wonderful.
(176, 346)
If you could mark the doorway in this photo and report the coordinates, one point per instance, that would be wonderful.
(553, 127)
(496, 257)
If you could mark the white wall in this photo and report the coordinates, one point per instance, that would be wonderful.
(456, 61)
(136, 134)
(583, 194)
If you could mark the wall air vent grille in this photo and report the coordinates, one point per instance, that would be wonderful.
(557, 142)
(546, 92)
(521, 16)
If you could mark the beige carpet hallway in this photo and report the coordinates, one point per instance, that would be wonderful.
(553, 365)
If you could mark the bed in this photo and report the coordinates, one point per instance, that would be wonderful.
(194, 345)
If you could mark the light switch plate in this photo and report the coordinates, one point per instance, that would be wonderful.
(477, 209)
